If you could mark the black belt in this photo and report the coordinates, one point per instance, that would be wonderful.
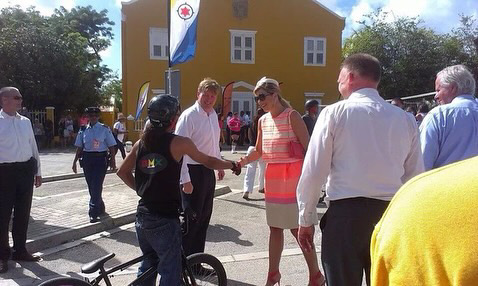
(95, 154)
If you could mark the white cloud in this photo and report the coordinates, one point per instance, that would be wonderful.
(108, 52)
(45, 7)
(440, 15)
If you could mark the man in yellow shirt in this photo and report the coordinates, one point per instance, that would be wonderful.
(428, 234)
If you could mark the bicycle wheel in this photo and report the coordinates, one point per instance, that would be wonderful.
(207, 270)
(65, 281)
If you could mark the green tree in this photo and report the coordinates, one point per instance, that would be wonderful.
(53, 66)
(114, 89)
(410, 54)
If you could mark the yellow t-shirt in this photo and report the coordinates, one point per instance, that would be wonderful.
(429, 233)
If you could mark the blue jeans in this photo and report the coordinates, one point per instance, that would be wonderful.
(162, 236)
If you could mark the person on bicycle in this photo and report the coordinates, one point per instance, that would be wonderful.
(157, 159)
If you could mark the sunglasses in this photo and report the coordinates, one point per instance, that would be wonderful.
(261, 97)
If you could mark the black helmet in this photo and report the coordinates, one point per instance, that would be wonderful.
(162, 109)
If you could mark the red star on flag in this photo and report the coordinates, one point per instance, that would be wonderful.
(185, 11)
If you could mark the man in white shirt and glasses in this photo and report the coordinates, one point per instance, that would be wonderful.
(199, 122)
(365, 149)
(19, 171)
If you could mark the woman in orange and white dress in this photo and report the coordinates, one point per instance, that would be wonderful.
(277, 129)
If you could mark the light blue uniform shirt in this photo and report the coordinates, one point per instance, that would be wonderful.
(96, 138)
(449, 132)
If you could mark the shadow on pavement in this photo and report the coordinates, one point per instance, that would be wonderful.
(221, 233)
(245, 203)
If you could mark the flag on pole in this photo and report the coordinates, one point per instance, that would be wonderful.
(183, 26)
(227, 98)
(142, 96)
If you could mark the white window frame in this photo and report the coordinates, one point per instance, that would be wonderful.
(315, 51)
(243, 34)
(158, 37)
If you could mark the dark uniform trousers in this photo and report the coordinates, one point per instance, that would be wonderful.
(201, 201)
(16, 191)
(94, 167)
(347, 227)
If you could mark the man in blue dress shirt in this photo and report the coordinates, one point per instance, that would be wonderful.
(449, 132)
(93, 144)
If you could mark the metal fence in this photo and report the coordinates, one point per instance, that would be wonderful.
(139, 125)
(38, 114)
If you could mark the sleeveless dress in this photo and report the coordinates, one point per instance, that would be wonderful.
(282, 171)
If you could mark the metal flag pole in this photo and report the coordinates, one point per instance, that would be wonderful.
(169, 45)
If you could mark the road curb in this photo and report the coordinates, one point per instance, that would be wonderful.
(67, 176)
(66, 235)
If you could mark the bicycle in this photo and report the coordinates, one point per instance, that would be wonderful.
(197, 270)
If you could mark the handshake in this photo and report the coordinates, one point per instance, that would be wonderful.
(236, 168)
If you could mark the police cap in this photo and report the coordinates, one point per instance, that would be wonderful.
(92, 110)
(311, 103)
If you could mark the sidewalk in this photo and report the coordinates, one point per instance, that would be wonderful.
(57, 219)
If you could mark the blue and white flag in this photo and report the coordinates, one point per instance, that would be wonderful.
(183, 26)
(142, 96)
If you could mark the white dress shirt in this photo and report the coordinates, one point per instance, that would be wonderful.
(17, 142)
(203, 130)
(120, 126)
(362, 147)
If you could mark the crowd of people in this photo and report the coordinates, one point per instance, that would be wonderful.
(387, 217)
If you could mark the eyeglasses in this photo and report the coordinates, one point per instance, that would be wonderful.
(261, 97)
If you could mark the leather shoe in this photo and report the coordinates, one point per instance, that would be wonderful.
(94, 219)
(261, 191)
(3, 266)
(25, 256)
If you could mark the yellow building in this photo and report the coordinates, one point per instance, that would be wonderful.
(297, 42)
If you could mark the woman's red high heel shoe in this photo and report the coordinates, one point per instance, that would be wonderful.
(273, 278)
(317, 280)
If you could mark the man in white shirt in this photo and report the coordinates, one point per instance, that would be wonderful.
(119, 131)
(19, 171)
(199, 122)
(365, 149)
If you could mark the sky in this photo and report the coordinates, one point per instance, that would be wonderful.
(439, 15)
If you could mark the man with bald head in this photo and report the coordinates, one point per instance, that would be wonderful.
(19, 171)
(365, 149)
(449, 132)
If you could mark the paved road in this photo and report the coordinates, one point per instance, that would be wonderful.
(237, 236)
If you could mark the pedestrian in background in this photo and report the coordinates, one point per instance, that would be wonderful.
(119, 132)
(280, 129)
(93, 145)
(250, 175)
(19, 171)
(366, 149)
(311, 113)
(449, 132)
(234, 125)
(199, 123)
(157, 184)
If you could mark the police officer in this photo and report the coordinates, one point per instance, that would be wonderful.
(93, 144)
(311, 114)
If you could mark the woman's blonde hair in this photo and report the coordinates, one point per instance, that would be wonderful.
(271, 86)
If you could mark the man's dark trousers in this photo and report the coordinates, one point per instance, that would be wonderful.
(94, 167)
(16, 191)
(347, 227)
(201, 202)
